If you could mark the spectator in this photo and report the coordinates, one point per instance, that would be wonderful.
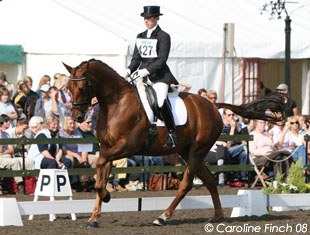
(212, 96)
(17, 89)
(28, 81)
(6, 122)
(48, 105)
(216, 155)
(283, 138)
(203, 92)
(297, 137)
(19, 132)
(45, 79)
(71, 151)
(263, 148)
(3, 82)
(86, 130)
(56, 76)
(43, 104)
(291, 106)
(46, 155)
(32, 98)
(6, 107)
(20, 100)
(6, 160)
(236, 151)
(303, 124)
(57, 108)
(64, 95)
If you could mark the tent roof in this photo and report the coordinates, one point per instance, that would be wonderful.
(109, 27)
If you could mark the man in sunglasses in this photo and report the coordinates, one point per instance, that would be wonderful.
(291, 106)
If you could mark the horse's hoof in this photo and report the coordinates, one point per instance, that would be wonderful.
(159, 222)
(107, 197)
(92, 225)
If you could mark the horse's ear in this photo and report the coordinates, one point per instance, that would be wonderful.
(67, 67)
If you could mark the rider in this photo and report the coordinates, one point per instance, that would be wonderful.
(150, 55)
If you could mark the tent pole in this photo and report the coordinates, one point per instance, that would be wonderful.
(287, 68)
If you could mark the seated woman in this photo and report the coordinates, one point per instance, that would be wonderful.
(71, 151)
(46, 155)
(262, 148)
(297, 137)
(288, 137)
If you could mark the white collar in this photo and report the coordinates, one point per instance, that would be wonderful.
(149, 31)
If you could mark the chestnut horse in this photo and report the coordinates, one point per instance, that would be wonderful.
(123, 127)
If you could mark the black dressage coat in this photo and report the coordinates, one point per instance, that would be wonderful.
(157, 67)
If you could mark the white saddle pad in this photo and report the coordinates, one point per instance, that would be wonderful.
(178, 109)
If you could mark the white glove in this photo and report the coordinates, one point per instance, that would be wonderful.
(143, 73)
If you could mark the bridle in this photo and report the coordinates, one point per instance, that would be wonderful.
(91, 94)
(89, 91)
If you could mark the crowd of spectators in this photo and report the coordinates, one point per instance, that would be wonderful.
(281, 140)
(46, 113)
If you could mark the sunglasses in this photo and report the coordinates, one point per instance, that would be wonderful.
(212, 98)
(292, 123)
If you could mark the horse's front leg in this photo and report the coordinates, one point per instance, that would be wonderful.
(103, 172)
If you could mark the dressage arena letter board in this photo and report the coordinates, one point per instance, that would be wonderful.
(53, 182)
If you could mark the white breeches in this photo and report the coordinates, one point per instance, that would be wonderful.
(161, 90)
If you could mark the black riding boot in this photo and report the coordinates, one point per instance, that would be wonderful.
(167, 117)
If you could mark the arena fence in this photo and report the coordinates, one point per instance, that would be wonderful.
(133, 170)
(129, 170)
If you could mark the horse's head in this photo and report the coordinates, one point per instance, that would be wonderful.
(81, 90)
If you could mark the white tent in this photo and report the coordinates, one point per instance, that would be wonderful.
(71, 31)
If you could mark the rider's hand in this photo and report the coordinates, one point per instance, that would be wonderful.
(143, 73)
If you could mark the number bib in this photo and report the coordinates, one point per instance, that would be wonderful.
(147, 47)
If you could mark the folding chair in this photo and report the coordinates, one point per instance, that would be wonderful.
(276, 157)
(259, 170)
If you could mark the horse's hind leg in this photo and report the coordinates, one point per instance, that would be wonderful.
(195, 167)
(184, 187)
(209, 181)
(103, 172)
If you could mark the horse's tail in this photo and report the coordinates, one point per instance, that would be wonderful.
(270, 108)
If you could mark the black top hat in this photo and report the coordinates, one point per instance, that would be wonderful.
(151, 11)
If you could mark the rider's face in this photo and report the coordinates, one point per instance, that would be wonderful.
(150, 22)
